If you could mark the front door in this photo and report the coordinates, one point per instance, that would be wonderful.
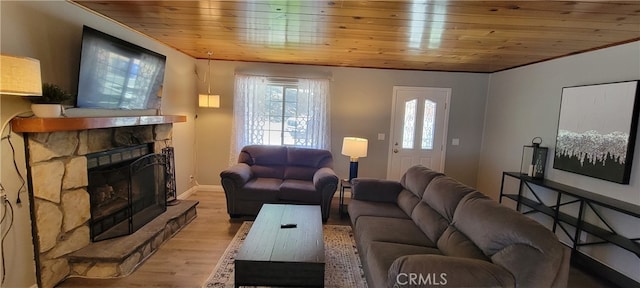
(418, 129)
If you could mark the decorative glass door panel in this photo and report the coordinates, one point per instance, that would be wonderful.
(428, 124)
(409, 125)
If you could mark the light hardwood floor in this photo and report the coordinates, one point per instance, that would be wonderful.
(189, 257)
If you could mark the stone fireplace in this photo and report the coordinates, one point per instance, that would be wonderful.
(58, 168)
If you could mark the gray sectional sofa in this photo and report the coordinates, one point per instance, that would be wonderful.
(279, 174)
(431, 230)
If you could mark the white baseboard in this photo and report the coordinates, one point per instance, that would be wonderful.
(212, 188)
(188, 193)
(196, 188)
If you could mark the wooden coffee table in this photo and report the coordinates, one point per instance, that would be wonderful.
(275, 256)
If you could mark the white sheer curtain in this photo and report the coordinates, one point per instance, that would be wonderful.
(318, 126)
(249, 92)
(253, 120)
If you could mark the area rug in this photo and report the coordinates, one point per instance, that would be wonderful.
(342, 263)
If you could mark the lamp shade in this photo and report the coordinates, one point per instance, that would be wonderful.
(209, 101)
(354, 147)
(20, 76)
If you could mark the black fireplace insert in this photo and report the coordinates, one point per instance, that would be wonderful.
(127, 189)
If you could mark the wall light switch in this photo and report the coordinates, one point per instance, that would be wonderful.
(455, 141)
(380, 136)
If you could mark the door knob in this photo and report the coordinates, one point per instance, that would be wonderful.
(395, 150)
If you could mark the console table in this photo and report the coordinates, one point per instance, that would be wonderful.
(584, 199)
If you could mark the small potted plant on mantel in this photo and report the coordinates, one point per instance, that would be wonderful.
(49, 105)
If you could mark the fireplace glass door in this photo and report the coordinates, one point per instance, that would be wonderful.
(148, 189)
(125, 194)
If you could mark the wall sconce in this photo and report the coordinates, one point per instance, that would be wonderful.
(20, 76)
(208, 100)
(534, 159)
(354, 148)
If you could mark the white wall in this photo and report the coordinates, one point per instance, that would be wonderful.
(525, 102)
(51, 32)
(360, 106)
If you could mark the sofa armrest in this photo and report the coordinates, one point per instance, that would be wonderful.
(375, 190)
(325, 181)
(239, 174)
(323, 177)
(446, 271)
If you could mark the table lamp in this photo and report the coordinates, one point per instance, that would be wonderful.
(354, 148)
(20, 76)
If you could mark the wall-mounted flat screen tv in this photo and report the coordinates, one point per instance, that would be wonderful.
(116, 74)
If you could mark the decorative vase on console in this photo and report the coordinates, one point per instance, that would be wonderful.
(49, 105)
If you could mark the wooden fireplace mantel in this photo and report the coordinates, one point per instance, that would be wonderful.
(35, 124)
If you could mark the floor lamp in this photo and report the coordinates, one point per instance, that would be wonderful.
(354, 148)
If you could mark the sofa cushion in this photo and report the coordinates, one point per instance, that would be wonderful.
(407, 201)
(455, 243)
(394, 230)
(417, 178)
(260, 189)
(299, 191)
(429, 221)
(443, 195)
(302, 163)
(375, 190)
(507, 237)
(299, 172)
(262, 171)
(305, 157)
(358, 208)
(263, 155)
(265, 161)
(382, 254)
(500, 226)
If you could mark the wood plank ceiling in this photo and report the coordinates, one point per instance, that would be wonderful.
(469, 36)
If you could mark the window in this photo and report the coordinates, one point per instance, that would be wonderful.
(280, 111)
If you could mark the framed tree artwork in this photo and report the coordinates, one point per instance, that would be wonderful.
(597, 130)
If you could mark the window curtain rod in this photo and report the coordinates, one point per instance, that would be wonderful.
(275, 77)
